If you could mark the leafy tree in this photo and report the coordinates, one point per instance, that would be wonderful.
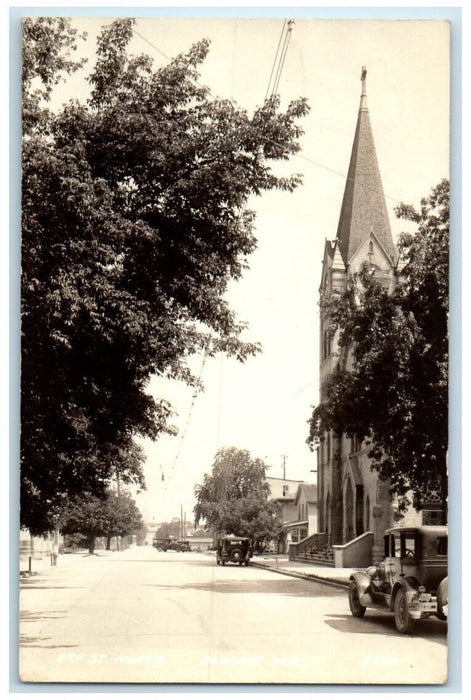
(116, 514)
(234, 498)
(396, 394)
(48, 43)
(171, 529)
(134, 223)
(122, 516)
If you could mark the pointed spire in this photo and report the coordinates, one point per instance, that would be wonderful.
(363, 101)
(363, 206)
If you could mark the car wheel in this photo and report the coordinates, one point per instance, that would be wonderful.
(223, 562)
(159, 549)
(237, 555)
(357, 609)
(441, 616)
(405, 624)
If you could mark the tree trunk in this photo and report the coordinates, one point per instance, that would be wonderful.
(108, 542)
(91, 544)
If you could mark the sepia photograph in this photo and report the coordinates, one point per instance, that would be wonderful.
(234, 446)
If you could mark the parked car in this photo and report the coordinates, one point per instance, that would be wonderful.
(161, 543)
(180, 546)
(233, 549)
(411, 582)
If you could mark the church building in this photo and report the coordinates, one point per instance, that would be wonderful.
(351, 499)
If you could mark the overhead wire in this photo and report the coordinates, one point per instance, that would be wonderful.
(272, 91)
(187, 423)
(289, 28)
(275, 60)
(270, 94)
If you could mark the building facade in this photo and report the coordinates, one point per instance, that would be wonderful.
(283, 491)
(352, 500)
(306, 522)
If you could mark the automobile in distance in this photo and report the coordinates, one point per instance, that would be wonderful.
(161, 544)
(180, 546)
(233, 549)
(411, 582)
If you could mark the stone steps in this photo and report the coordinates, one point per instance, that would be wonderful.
(321, 557)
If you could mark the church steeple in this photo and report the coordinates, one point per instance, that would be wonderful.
(363, 207)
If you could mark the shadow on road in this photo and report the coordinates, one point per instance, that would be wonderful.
(430, 629)
(285, 586)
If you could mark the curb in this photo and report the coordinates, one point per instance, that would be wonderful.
(306, 577)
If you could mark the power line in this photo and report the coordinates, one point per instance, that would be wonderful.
(187, 423)
(280, 57)
(270, 92)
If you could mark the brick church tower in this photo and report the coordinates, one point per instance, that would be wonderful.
(352, 500)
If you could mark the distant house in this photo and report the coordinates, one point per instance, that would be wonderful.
(283, 491)
(200, 540)
(305, 522)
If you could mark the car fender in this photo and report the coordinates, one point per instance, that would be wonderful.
(363, 582)
(409, 585)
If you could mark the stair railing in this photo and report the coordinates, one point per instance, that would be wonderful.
(308, 545)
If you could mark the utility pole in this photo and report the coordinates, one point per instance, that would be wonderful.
(284, 465)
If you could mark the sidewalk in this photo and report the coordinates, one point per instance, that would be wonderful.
(281, 564)
(64, 562)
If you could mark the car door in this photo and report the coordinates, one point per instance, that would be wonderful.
(409, 553)
(393, 561)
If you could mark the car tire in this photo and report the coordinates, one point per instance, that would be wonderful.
(159, 549)
(237, 556)
(405, 624)
(223, 562)
(356, 608)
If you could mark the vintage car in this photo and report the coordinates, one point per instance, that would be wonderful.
(163, 544)
(411, 582)
(180, 546)
(233, 549)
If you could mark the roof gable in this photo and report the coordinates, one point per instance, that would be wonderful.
(307, 493)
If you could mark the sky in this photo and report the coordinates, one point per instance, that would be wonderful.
(264, 404)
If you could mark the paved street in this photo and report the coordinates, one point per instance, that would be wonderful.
(148, 616)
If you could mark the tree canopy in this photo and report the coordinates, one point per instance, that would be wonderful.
(235, 497)
(134, 221)
(115, 514)
(396, 394)
(170, 529)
